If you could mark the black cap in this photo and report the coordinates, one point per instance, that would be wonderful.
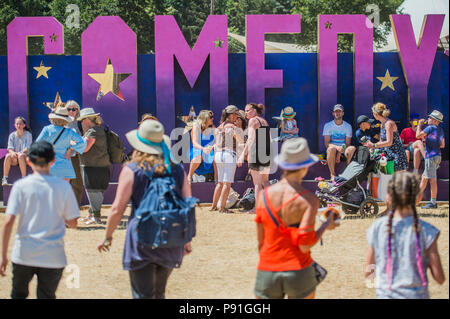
(362, 119)
(41, 153)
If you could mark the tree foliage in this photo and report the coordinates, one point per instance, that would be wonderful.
(311, 9)
(190, 16)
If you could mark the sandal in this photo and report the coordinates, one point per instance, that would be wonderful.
(213, 209)
(85, 219)
(226, 211)
(93, 220)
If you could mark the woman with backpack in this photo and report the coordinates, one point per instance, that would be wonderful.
(94, 162)
(149, 267)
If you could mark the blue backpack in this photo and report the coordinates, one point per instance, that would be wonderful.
(164, 219)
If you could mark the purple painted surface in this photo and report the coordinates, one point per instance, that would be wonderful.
(204, 191)
(417, 58)
(258, 78)
(97, 46)
(328, 29)
(170, 43)
(18, 32)
(3, 152)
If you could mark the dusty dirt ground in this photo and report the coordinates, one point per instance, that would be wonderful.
(223, 262)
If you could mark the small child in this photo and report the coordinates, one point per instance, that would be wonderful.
(45, 204)
(434, 141)
(18, 143)
(364, 132)
(289, 127)
(403, 247)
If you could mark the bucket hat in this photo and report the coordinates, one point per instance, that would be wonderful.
(295, 154)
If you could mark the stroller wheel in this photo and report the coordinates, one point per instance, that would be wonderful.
(368, 208)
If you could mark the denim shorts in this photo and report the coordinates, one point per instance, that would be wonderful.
(296, 284)
(431, 166)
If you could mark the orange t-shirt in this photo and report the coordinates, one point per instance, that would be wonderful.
(278, 252)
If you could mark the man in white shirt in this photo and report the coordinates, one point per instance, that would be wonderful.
(337, 139)
(45, 204)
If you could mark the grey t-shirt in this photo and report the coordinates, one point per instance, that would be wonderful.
(97, 156)
(405, 277)
(18, 144)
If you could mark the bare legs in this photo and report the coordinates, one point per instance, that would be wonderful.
(11, 160)
(433, 186)
(195, 163)
(333, 157)
(260, 181)
(221, 191)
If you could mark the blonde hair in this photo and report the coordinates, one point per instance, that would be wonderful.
(59, 122)
(147, 116)
(97, 120)
(146, 161)
(203, 117)
(72, 103)
(381, 109)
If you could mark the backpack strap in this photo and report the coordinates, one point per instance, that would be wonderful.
(268, 209)
(59, 135)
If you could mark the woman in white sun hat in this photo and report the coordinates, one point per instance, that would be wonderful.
(285, 217)
(149, 269)
(64, 141)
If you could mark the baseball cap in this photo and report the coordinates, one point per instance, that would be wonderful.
(362, 119)
(414, 116)
(338, 107)
(41, 153)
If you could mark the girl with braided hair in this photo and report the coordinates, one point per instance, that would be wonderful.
(402, 246)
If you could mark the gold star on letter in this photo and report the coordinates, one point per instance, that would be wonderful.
(57, 102)
(218, 43)
(109, 81)
(387, 80)
(42, 70)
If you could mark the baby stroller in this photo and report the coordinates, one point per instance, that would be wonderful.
(347, 189)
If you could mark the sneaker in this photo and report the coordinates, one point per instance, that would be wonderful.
(430, 205)
(4, 181)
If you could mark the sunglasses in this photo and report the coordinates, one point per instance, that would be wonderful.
(73, 110)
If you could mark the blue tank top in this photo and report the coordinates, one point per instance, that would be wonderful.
(136, 256)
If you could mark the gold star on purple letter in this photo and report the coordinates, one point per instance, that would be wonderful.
(109, 81)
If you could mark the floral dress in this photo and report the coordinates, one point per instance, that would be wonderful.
(395, 152)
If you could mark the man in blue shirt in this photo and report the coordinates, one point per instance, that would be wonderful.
(337, 136)
(434, 141)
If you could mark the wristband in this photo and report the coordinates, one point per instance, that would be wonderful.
(107, 242)
(374, 145)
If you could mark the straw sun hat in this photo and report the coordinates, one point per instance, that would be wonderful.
(148, 137)
(61, 113)
(87, 112)
(436, 115)
(295, 155)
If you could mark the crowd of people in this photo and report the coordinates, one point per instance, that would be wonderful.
(285, 212)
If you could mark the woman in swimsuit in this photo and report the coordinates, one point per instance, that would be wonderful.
(257, 148)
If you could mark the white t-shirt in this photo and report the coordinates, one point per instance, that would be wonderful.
(44, 203)
(337, 133)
